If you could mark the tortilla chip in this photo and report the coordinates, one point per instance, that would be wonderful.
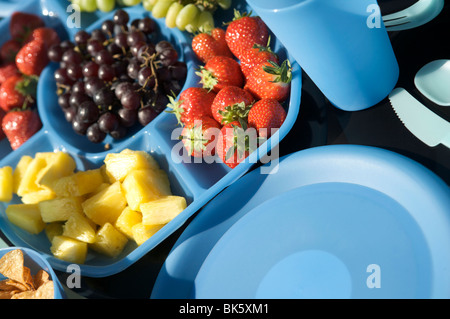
(11, 265)
(41, 278)
(43, 292)
(10, 285)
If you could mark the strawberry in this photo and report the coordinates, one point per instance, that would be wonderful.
(230, 104)
(193, 104)
(32, 58)
(265, 116)
(8, 70)
(220, 71)
(255, 56)
(46, 35)
(2, 115)
(244, 31)
(235, 143)
(17, 92)
(22, 24)
(9, 50)
(20, 125)
(270, 80)
(199, 138)
(208, 44)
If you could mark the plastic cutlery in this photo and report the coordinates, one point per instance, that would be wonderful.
(433, 81)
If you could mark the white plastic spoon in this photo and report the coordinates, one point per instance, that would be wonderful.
(433, 81)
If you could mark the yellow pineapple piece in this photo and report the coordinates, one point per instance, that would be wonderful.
(53, 229)
(110, 241)
(60, 208)
(59, 164)
(28, 183)
(38, 196)
(20, 170)
(69, 249)
(163, 210)
(144, 185)
(127, 219)
(143, 232)
(6, 184)
(118, 165)
(106, 205)
(79, 183)
(26, 216)
(78, 226)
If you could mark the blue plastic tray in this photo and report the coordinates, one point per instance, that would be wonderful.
(330, 217)
(198, 182)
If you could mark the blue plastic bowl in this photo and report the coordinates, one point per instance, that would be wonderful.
(35, 262)
(198, 182)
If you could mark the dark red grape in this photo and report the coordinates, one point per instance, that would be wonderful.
(98, 35)
(163, 45)
(119, 133)
(146, 115)
(70, 113)
(72, 56)
(78, 87)
(178, 70)
(121, 40)
(121, 88)
(168, 57)
(108, 122)
(79, 127)
(104, 97)
(134, 37)
(147, 25)
(133, 68)
(127, 117)
(93, 85)
(146, 78)
(130, 99)
(81, 37)
(121, 17)
(103, 57)
(106, 72)
(88, 112)
(55, 53)
(63, 100)
(94, 46)
(77, 98)
(90, 69)
(74, 71)
(95, 134)
(61, 77)
(108, 27)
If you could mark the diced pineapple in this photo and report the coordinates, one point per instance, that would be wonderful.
(38, 196)
(144, 185)
(163, 210)
(20, 170)
(6, 184)
(110, 241)
(106, 205)
(78, 226)
(127, 219)
(60, 208)
(118, 165)
(79, 183)
(59, 164)
(28, 183)
(143, 232)
(26, 216)
(53, 229)
(69, 249)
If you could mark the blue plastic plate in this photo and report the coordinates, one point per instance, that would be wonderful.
(198, 182)
(337, 221)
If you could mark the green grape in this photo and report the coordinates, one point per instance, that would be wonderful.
(205, 21)
(106, 5)
(186, 16)
(193, 26)
(78, 3)
(172, 14)
(160, 8)
(224, 4)
(88, 5)
(130, 3)
(147, 4)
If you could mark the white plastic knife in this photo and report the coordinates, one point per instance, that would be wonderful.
(426, 125)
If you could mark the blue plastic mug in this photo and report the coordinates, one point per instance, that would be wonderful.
(342, 45)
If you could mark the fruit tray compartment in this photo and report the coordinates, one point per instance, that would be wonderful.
(198, 182)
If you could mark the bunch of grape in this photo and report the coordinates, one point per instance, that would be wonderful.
(103, 5)
(186, 15)
(115, 77)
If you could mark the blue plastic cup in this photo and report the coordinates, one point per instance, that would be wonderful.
(342, 45)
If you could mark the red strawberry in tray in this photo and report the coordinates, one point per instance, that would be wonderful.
(20, 125)
(193, 104)
(208, 44)
(220, 71)
(17, 92)
(255, 56)
(270, 80)
(231, 104)
(244, 32)
(8, 70)
(266, 116)
(9, 50)
(32, 58)
(22, 24)
(199, 138)
(46, 35)
(2, 115)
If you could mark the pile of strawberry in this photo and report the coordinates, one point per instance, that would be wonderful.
(22, 59)
(243, 88)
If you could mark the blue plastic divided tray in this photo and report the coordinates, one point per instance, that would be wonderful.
(198, 182)
(338, 221)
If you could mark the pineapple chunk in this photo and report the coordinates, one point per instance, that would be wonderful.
(53, 229)
(163, 210)
(38, 196)
(106, 205)
(143, 232)
(118, 165)
(78, 226)
(59, 164)
(6, 184)
(110, 241)
(60, 208)
(144, 185)
(26, 216)
(69, 249)
(28, 183)
(127, 219)
(79, 183)
(20, 170)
